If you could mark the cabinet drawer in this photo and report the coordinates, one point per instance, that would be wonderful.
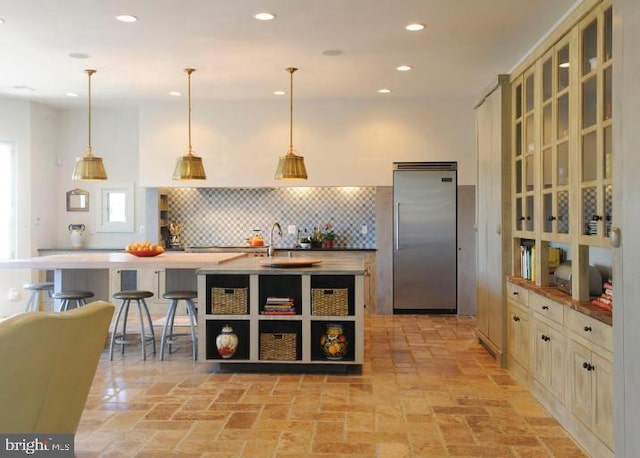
(593, 330)
(547, 308)
(517, 293)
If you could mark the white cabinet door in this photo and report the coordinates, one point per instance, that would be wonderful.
(580, 381)
(603, 406)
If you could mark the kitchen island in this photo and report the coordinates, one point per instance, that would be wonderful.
(106, 273)
(310, 299)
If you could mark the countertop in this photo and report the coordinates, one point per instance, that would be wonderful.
(98, 260)
(250, 264)
(561, 297)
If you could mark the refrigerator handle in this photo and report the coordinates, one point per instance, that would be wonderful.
(396, 228)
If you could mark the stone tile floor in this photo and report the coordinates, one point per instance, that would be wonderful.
(427, 389)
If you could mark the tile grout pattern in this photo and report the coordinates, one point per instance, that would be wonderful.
(427, 389)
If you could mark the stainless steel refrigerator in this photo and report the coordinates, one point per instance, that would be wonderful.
(424, 237)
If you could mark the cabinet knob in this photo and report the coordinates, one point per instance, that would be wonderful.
(516, 318)
(545, 338)
(551, 218)
(588, 366)
(545, 307)
(587, 329)
(596, 217)
(522, 218)
(515, 293)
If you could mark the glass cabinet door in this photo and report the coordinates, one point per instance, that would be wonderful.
(595, 147)
(556, 99)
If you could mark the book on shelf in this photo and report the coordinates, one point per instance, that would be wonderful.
(279, 300)
(278, 312)
(605, 300)
(528, 261)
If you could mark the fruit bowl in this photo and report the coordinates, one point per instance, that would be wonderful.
(144, 253)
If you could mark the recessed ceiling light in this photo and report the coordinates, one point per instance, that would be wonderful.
(79, 55)
(564, 65)
(264, 16)
(404, 68)
(384, 91)
(332, 52)
(175, 93)
(126, 18)
(414, 27)
(71, 94)
(279, 93)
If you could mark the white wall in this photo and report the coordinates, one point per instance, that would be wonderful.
(115, 139)
(347, 142)
(31, 127)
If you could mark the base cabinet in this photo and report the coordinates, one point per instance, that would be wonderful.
(591, 380)
(283, 318)
(565, 358)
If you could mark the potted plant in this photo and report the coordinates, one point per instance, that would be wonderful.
(328, 236)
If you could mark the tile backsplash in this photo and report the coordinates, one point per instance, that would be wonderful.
(227, 216)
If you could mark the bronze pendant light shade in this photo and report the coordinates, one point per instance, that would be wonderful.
(189, 166)
(89, 167)
(291, 166)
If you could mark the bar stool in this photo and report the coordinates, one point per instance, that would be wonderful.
(33, 304)
(143, 314)
(167, 330)
(79, 297)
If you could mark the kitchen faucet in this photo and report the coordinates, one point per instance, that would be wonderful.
(271, 249)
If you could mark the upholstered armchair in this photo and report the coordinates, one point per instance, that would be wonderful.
(47, 364)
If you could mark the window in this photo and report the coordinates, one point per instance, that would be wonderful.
(116, 208)
(7, 201)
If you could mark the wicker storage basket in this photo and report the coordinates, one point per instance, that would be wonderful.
(229, 301)
(278, 346)
(328, 302)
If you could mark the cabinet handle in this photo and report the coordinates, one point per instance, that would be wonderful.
(596, 217)
(588, 366)
(522, 218)
(515, 293)
(551, 218)
(545, 338)
(587, 329)
(516, 318)
(545, 307)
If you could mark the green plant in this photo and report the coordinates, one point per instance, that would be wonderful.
(328, 233)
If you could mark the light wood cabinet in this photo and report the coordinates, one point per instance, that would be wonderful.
(519, 334)
(493, 221)
(590, 379)
(549, 357)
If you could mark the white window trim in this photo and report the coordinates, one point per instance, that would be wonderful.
(103, 223)
(12, 217)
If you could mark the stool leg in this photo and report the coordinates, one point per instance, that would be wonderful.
(115, 331)
(64, 305)
(28, 306)
(82, 302)
(124, 324)
(153, 335)
(172, 322)
(167, 320)
(142, 339)
(192, 320)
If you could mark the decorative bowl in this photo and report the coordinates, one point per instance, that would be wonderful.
(144, 253)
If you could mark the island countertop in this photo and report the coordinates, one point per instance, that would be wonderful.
(332, 265)
(98, 260)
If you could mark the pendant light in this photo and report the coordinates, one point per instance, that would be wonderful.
(291, 166)
(89, 167)
(189, 166)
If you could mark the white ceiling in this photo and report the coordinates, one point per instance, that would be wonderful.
(466, 43)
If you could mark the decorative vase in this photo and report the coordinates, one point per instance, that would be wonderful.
(328, 244)
(334, 342)
(227, 342)
(76, 233)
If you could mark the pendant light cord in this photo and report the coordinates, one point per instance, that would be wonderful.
(89, 148)
(291, 70)
(189, 72)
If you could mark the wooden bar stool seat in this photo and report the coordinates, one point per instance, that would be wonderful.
(120, 338)
(168, 335)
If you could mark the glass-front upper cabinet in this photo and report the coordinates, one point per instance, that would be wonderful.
(596, 68)
(524, 147)
(556, 99)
